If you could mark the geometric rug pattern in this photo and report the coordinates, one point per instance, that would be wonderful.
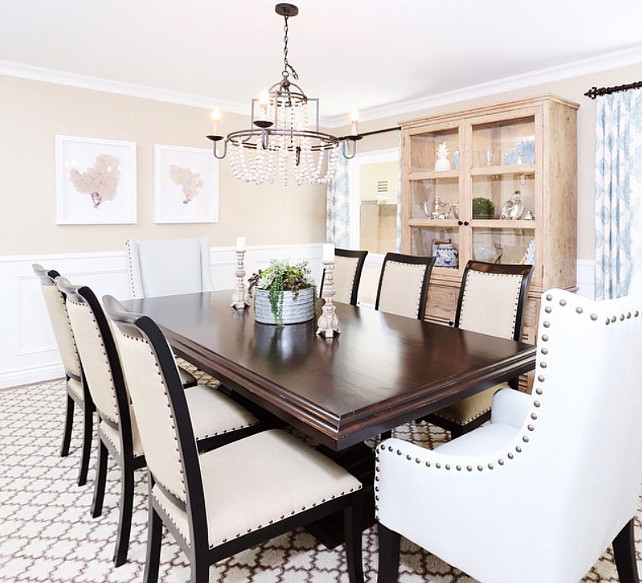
(48, 535)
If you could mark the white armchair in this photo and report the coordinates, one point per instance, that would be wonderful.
(537, 495)
(161, 267)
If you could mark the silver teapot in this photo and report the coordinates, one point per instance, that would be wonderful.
(439, 210)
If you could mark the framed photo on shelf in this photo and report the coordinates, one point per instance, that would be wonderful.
(95, 181)
(185, 185)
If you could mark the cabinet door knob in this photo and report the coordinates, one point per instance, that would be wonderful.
(466, 223)
(460, 223)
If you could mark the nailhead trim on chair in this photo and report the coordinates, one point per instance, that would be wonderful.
(536, 404)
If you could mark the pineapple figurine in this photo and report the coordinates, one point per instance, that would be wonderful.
(442, 162)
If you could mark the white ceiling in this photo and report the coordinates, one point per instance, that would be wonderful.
(364, 54)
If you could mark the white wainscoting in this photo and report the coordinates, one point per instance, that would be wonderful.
(28, 351)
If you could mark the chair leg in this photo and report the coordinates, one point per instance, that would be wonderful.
(154, 533)
(624, 552)
(389, 546)
(353, 527)
(125, 520)
(88, 430)
(69, 421)
(200, 571)
(101, 479)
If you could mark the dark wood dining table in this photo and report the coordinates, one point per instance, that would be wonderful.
(381, 371)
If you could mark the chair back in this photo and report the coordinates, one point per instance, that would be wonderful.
(159, 267)
(159, 402)
(492, 297)
(584, 426)
(403, 284)
(97, 349)
(57, 310)
(348, 265)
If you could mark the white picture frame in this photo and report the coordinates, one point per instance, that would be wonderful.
(185, 185)
(95, 181)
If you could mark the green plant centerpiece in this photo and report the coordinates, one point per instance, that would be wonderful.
(287, 288)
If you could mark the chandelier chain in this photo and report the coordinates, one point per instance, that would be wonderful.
(286, 64)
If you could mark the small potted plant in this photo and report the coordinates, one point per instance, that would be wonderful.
(284, 293)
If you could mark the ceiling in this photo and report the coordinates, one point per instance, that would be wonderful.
(364, 54)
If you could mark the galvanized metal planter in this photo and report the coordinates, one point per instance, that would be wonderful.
(295, 310)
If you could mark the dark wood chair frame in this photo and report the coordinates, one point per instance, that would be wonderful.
(125, 459)
(361, 259)
(86, 406)
(198, 552)
(413, 260)
(526, 271)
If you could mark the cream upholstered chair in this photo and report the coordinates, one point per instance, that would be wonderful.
(348, 265)
(77, 391)
(162, 267)
(230, 498)
(539, 493)
(217, 419)
(403, 284)
(491, 301)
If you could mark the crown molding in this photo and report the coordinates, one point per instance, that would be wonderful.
(605, 62)
(12, 69)
(575, 69)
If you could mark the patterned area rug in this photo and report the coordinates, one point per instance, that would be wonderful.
(47, 533)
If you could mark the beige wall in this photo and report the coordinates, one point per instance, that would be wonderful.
(572, 89)
(33, 112)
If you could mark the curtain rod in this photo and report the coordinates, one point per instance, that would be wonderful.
(594, 92)
(379, 131)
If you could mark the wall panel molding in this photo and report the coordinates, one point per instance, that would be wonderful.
(28, 352)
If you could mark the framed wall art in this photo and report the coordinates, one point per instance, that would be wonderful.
(185, 185)
(95, 181)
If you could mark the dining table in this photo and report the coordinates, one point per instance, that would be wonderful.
(381, 371)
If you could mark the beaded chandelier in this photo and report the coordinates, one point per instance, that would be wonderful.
(284, 133)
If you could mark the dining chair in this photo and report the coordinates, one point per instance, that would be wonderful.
(162, 267)
(233, 497)
(540, 492)
(491, 301)
(217, 419)
(403, 284)
(75, 384)
(348, 265)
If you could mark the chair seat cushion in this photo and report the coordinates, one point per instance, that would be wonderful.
(187, 378)
(112, 434)
(259, 480)
(468, 409)
(75, 388)
(213, 413)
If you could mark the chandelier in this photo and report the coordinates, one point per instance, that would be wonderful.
(284, 133)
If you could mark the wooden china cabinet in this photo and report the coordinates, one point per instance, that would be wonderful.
(497, 184)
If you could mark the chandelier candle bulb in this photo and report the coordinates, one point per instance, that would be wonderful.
(240, 243)
(216, 116)
(353, 125)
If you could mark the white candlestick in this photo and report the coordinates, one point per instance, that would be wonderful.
(328, 252)
(240, 243)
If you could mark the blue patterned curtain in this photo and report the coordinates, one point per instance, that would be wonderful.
(338, 206)
(618, 193)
